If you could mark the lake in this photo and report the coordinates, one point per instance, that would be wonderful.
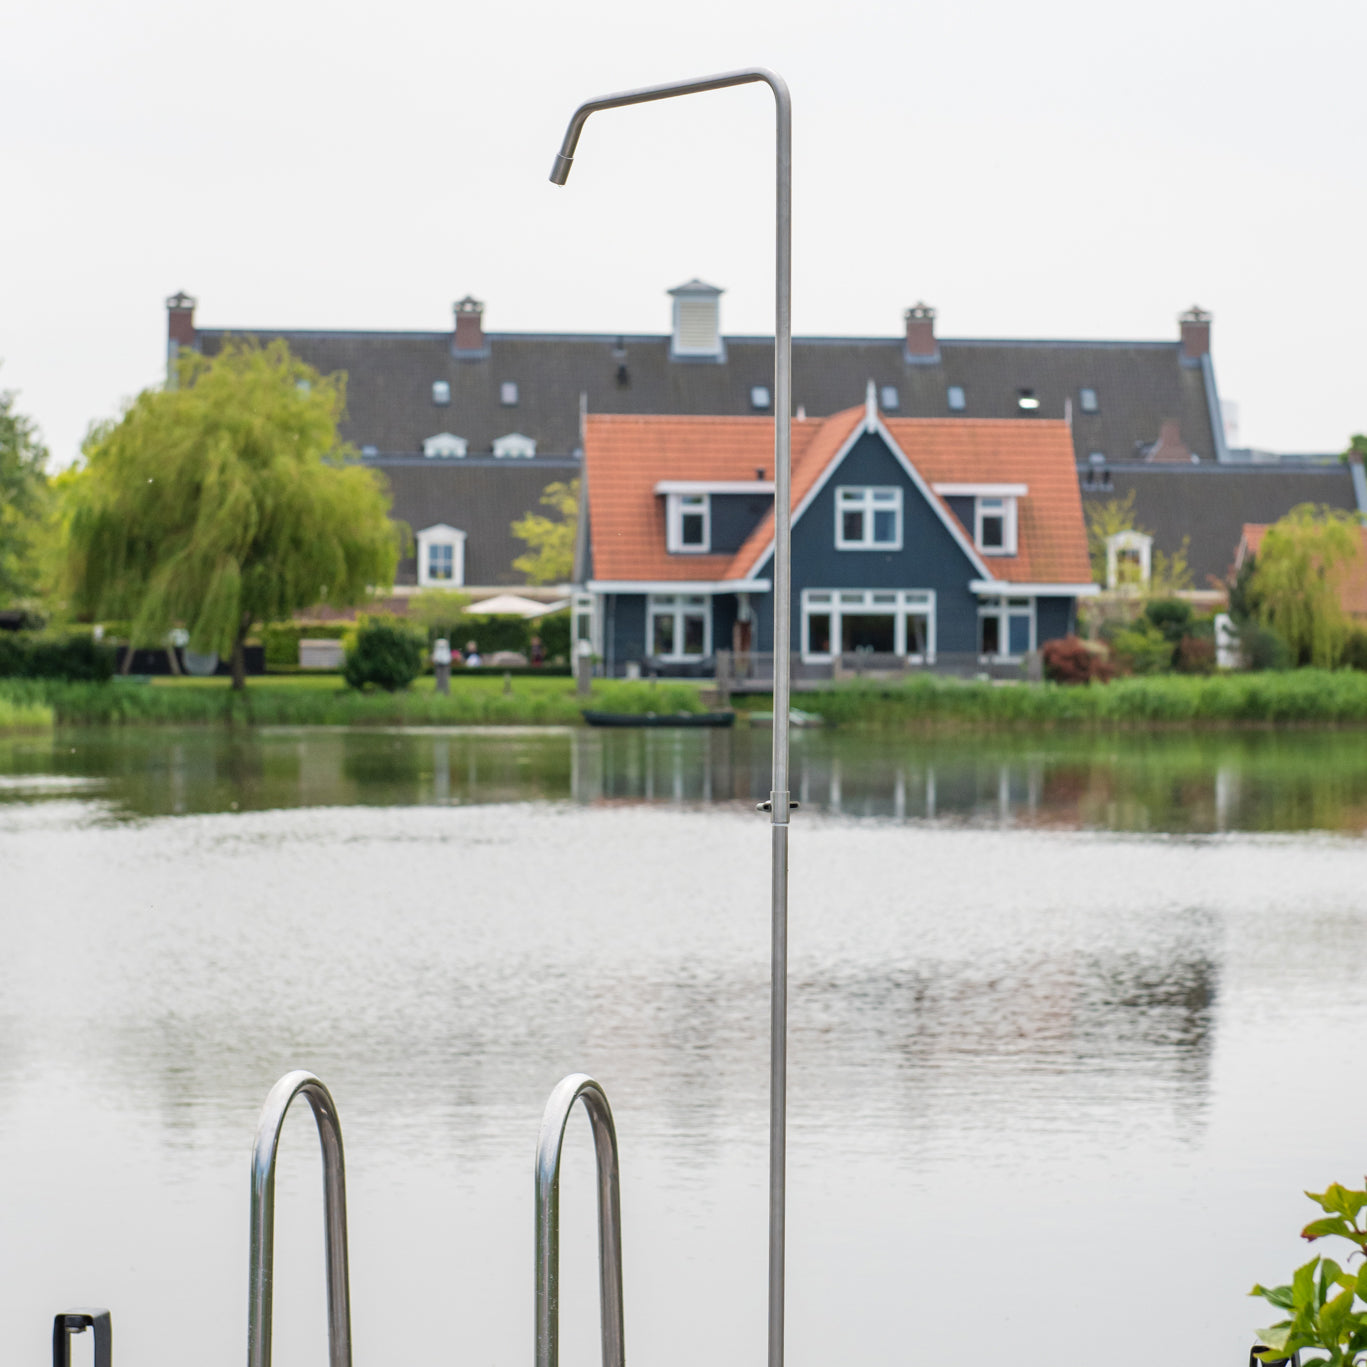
(1073, 1023)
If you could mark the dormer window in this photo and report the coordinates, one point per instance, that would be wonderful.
(759, 396)
(689, 518)
(993, 516)
(515, 444)
(441, 556)
(441, 393)
(444, 445)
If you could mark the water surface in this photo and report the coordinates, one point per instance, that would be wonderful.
(1069, 1020)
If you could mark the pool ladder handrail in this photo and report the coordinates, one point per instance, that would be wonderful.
(77, 1321)
(260, 1292)
(573, 1088)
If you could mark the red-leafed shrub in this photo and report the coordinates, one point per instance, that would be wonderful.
(1195, 655)
(1071, 660)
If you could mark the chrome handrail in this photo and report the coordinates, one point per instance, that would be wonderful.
(548, 1147)
(261, 1289)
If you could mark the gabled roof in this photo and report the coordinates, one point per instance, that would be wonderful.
(627, 457)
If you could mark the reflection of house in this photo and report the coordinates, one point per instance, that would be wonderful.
(925, 540)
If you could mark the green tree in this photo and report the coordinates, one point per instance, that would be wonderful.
(550, 541)
(226, 502)
(1298, 578)
(23, 500)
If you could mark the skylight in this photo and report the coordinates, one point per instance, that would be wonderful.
(958, 401)
(1087, 400)
(888, 398)
(759, 396)
(441, 392)
(1026, 400)
(507, 393)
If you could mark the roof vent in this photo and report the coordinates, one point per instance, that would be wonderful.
(697, 321)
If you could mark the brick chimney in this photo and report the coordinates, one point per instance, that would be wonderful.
(1195, 324)
(468, 339)
(180, 329)
(922, 348)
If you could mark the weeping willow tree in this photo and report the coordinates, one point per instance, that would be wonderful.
(1297, 581)
(224, 503)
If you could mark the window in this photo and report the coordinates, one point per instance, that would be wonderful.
(370, 451)
(507, 393)
(868, 621)
(1026, 400)
(994, 525)
(1006, 628)
(585, 625)
(441, 393)
(1086, 399)
(444, 445)
(441, 557)
(958, 400)
(679, 626)
(759, 396)
(690, 524)
(868, 519)
(1129, 560)
(514, 444)
(888, 398)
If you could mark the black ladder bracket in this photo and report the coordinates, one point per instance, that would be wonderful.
(71, 1322)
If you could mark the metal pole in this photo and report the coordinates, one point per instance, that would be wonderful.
(779, 804)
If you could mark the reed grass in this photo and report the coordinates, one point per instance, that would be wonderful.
(23, 715)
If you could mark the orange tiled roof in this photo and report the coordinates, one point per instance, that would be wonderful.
(625, 457)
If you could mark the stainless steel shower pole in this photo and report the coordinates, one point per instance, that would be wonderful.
(778, 805)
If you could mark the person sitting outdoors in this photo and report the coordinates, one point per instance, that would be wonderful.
(472, 656)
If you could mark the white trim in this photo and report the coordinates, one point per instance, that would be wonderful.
(867, 504)
(445, 446)
(983, 490)
(1132, 540)
(440, 534)
(668, 605)
(675, 512)
(833, 603)
(715, 486)
(514, 445)
(1007, 513)
(679, 585)
(1011, 590)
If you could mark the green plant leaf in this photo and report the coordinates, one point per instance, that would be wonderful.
(1337, 1319)
(1280, 1296)
(1275, 1338)
(1303, 1283)
(1339, 1200)
(1333, 1224)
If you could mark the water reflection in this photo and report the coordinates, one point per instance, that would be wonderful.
(1162, 783)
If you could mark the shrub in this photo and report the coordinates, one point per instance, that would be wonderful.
(1195, 655)
(281, 639)
(1261, 648)
(1143, 649)
(1170, 616)
(78, 658)
(385, 654)
(1355, 650)
(1071, 660)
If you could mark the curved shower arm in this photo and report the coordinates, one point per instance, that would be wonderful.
(262, 1272)
(548, 1148)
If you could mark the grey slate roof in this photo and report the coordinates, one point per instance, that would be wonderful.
(1139, 385)
(1211, 503)
(480, 496)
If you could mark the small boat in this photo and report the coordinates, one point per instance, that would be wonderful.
(659, 718)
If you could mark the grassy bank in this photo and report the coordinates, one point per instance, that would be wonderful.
(921, 703)
(1305, 696)
(24, 715)
(314, 700)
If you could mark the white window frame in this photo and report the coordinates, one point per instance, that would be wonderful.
(834, 603)
(514, 444)
(444, 446)
(1140, 543)
(1004, 607)
(1002, 504)
(441, 535)
(861, 497)
(678, 606)
(586, 622)
(679, 504)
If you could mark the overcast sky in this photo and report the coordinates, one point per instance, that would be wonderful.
(1058, 169)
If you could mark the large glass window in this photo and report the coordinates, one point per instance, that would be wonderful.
(1006, 628)
(874, 621)
(678, 625)
(868, 519)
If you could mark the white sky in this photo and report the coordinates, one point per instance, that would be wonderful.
(1058, 169)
